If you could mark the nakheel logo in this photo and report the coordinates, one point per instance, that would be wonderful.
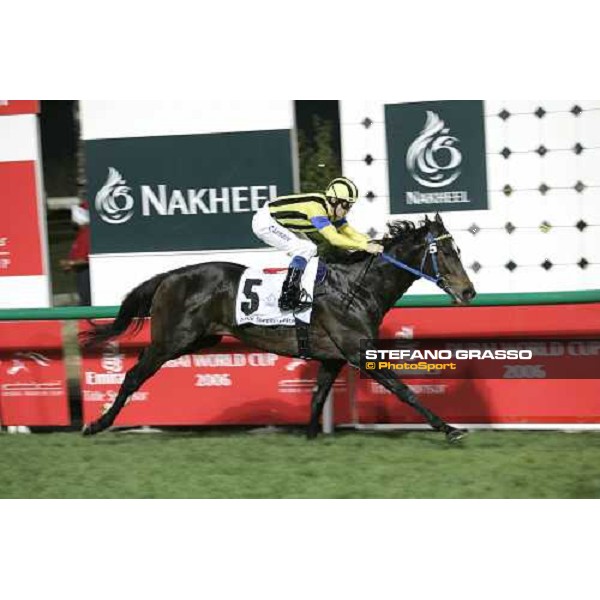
(114, 203)
(432, 159)
(436, 156)
(115, 200)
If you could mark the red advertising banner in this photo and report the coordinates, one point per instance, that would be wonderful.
(229, 384)
(233, 384)
(20, 244)
(485, 401)
(33, 379)
(488, 400)
(19, 107)
(553, 320)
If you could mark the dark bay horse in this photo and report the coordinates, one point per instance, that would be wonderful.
(193, 307)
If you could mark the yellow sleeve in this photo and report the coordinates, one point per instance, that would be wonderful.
(350, 232)
(331, 234)
(314, 209)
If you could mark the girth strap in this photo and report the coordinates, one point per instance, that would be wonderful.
(302, 335)
(303, 328)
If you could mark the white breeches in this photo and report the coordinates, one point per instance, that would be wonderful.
(267, 229)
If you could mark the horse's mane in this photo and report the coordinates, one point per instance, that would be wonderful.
(403, 229)
(406, 230)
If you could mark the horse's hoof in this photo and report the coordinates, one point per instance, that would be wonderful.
(455, 435)
(88, 430)
(312, 434)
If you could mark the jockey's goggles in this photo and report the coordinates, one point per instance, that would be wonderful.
(345, 204)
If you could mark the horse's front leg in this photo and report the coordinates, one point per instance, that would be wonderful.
(328, 371)
(388, 379)
(348, 341)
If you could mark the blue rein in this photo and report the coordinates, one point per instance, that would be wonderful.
(431, 250)
(401, 265)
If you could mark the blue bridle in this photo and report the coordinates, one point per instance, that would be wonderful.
(432, 251)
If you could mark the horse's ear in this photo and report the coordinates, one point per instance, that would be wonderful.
(427, 219)
(438, 218)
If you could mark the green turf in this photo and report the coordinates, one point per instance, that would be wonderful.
(285, 465)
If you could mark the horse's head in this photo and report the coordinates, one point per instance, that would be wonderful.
(437, 254)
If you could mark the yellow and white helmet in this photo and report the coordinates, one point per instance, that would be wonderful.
(342, 190)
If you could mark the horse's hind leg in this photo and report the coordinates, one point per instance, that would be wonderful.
(328, 371)
(149, 362)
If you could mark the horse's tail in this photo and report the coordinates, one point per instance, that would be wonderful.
(134, 308)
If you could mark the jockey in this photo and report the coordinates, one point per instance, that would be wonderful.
(286, 222)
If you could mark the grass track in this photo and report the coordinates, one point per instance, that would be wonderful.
(284, 465)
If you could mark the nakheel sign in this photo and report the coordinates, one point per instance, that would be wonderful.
(436, 156)
(185, 192)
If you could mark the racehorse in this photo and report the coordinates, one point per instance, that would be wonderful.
(191, 308)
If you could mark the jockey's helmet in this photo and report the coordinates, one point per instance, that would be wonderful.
(343, 191)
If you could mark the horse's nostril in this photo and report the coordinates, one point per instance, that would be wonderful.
(470, 293)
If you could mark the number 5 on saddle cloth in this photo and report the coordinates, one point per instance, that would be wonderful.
(257, 301)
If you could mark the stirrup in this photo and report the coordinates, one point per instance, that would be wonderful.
(287, 303)
(291, 291)
(305, 301)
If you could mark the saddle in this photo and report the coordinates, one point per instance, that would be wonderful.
(258, 294)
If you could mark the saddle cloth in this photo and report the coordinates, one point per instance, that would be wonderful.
(258, 296)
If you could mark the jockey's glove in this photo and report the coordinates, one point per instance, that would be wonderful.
(374, 248)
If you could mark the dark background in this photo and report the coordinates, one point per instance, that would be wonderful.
(59, 130)
(59, 138)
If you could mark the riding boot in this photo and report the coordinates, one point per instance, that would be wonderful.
(290, 292)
